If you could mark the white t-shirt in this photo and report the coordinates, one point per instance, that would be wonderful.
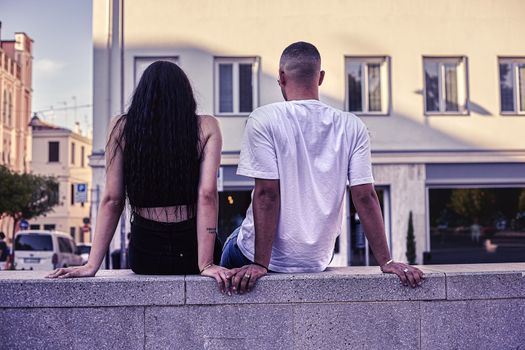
(313, 149)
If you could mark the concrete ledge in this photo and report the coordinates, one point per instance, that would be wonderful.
(349, 284)
(109, 288)
(483, 281)
(342, 308)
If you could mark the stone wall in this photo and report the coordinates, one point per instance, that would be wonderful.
(458, 307)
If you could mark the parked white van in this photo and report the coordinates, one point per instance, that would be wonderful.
(44, 250)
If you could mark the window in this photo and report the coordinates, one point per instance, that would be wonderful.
(141, 63)
(72, 194)
(82, 156)
(232, 211)
(34, 227)
(73, 146)
(49, 227)
(54, 151)
(73, 246)
(4, 109)
(445, 85)
(34, 242)
(368, 85)
(64, 246)
(476, 225)
(236, 85)
(512, 85)
(10, 111)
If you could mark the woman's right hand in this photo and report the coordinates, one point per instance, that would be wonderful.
(222, 275)
(72, 272)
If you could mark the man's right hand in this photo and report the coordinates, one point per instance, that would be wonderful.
(244, 278)
(406, 273)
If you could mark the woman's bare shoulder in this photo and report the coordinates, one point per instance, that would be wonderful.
(209, 124)
(117, 121)
(115, 130)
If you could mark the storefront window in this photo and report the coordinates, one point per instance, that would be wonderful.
(232, 211)
(476, 225)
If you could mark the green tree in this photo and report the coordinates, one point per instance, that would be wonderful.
(472, 203)
(6, 187)
(411, 241)
(26, 196)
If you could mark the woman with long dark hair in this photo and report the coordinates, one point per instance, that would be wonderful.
(164, 158)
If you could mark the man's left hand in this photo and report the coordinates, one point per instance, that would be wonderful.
(406, 273)
(243, 279)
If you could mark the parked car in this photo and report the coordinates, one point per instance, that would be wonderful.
(44, 250)
(83, 249)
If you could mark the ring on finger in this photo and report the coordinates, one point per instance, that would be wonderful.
(247, 276)
(405, 270)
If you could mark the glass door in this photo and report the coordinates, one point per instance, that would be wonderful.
(359, 252)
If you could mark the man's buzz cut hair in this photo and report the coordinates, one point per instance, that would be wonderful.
(301, 60)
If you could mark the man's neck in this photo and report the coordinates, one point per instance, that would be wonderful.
(302, 94)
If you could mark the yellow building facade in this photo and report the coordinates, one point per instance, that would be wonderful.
(439, 84)
(63, 153)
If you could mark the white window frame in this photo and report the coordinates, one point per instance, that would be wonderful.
(140, 63)
(462, 85)
(384, 71)
(236, 61)
(73, 153)
(514, 61)
(10, 122)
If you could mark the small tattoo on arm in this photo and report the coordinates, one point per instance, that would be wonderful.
(212, 230)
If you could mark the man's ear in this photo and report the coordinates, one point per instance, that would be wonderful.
(282, 78)
(321, 77)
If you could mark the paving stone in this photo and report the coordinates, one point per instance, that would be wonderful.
(370, 325)
(474, 324)
(72, 328)
(485, 285)
(249, 327)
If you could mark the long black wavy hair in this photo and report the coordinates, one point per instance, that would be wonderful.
(160, 138)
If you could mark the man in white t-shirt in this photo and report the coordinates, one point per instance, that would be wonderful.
(302, 154)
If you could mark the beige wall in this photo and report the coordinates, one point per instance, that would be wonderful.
(64, 215)
(405, 31)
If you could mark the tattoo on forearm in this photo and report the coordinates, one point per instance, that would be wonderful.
(212, 230)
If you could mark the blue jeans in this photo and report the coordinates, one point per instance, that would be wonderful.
(231, 254)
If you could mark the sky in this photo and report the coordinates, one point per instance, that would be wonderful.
(62, 55)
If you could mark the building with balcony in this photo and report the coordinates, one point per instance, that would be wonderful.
(16, 64)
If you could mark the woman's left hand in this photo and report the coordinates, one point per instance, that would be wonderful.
(222, 275)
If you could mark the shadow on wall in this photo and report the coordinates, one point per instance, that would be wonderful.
(393, 132)
(473, 106)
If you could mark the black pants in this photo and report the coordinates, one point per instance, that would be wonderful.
(158, 248)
